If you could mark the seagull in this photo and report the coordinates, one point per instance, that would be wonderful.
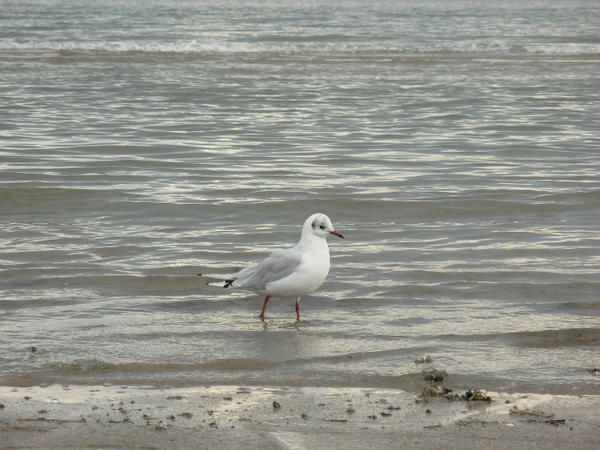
(292, 272)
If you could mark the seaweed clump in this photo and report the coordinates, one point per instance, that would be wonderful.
(435, 387)
(476, 395)
(434, 380)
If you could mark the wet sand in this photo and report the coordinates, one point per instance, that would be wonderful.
(288, 418)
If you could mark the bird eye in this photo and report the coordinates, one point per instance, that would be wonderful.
(322, 227)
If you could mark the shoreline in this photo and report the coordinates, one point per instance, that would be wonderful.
(79, 416)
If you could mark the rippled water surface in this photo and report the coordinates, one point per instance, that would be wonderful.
(455, 144)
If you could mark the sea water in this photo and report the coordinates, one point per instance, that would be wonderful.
(456, 145)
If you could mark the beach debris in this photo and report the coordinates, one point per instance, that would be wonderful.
(476, 395)
(160, 427)
(427, 411)
(385, 414)
(171, 417)
(81, 419)
(373, 417)
(213, 425)
(434, 376)
(276, 404)
(186, 415)
(393, 408)
(350, 410)
(32, 353)
(42, 411)
(27, 397)
(538, 413)
(175, 397)
(2, 406)
(437, 391)
(227, 398)
(434, 388)
(423, 359)
(434, 379)
(304, 416)
(594, 372)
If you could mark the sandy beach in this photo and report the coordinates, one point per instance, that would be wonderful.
(280, 418)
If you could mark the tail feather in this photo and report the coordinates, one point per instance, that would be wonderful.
(221, 280)
(221, 284)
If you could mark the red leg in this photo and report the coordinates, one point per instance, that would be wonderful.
(264, 308)
(298, 308)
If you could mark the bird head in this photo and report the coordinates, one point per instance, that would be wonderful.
(319, 224)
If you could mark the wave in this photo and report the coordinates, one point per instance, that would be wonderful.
(191, 46)
(570, 337)
(85, 367)
(564, 48)
(292, 45)
(245, 372)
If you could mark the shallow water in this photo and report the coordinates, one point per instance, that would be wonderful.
(455, 144)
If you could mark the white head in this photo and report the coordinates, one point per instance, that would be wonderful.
(319, 225)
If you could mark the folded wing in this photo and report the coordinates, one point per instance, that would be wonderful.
(278, 265)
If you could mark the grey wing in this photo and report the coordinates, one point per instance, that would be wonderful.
(245, 273)
(277, 266)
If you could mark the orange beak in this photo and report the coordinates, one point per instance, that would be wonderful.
(337, 233)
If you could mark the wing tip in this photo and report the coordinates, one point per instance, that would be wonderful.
(222, 284)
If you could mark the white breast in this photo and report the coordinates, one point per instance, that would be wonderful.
(308, 277)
